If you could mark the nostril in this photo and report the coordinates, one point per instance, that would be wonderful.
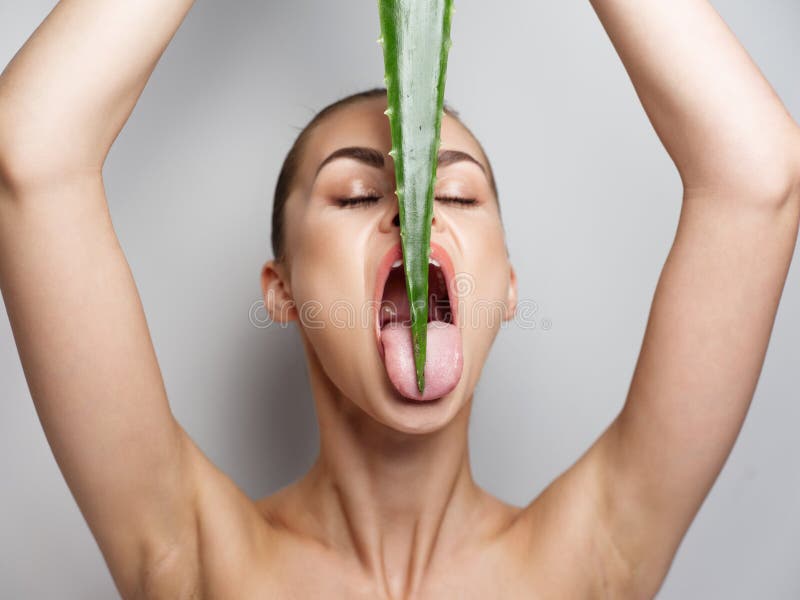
(396, 220)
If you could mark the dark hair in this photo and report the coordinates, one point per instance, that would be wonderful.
(292, 162)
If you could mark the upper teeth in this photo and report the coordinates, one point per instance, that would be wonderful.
(432, 261)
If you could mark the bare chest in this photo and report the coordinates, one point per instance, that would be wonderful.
(488, 576)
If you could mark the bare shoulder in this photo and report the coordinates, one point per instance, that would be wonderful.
(566, 536)
(217, 557)
(256, 548)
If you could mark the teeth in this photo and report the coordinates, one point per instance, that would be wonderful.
(433, 261)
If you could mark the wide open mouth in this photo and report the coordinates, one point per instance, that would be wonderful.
(390, 293)
(394, 307)
(444, 357)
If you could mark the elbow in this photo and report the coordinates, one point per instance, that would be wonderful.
(31, 159)
(11, 175)
(769, 179)
(782, 188)
(784, 194)
(793, 185)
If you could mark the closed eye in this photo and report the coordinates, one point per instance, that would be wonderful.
(357, 201)
(457, 200)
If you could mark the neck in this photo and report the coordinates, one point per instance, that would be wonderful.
(394, 500)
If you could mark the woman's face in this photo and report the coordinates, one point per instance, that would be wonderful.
(341, 238)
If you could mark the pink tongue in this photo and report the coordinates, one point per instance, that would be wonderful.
(442, 367)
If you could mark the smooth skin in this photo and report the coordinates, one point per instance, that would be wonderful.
(171, 525)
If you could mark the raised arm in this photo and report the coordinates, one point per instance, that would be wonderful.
(738, 153)
(73, 306)
(719, 119)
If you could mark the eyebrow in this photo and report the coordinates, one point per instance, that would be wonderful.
(368, 156)
(374, 158)
(448, 157)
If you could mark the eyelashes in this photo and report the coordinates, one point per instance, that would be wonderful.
(357, 201)
(367, 200)
(457, 200)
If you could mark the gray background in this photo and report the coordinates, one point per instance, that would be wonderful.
(591, 202)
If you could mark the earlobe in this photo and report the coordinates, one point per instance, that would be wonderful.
(277, 293)
(512, 297)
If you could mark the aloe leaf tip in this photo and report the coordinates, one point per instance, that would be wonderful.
(415, 35)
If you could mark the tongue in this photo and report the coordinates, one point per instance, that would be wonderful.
(442, 367)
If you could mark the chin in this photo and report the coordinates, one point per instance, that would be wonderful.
(415, 417)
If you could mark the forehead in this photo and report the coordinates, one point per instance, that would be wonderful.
(364, 123)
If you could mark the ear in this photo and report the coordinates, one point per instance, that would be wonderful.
(512, 296)
(277, 293)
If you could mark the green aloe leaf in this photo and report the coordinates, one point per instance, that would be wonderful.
(415, 35)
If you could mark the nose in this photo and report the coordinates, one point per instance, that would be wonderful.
(391, 219)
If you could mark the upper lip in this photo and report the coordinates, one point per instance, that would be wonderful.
(439, 256)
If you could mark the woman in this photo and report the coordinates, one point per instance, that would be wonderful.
(389, 510)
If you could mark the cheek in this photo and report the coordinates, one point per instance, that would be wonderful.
(329, 279)
(485, 308)
(328, 258)
(483, 287)
(330, 288)
(334, 320)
